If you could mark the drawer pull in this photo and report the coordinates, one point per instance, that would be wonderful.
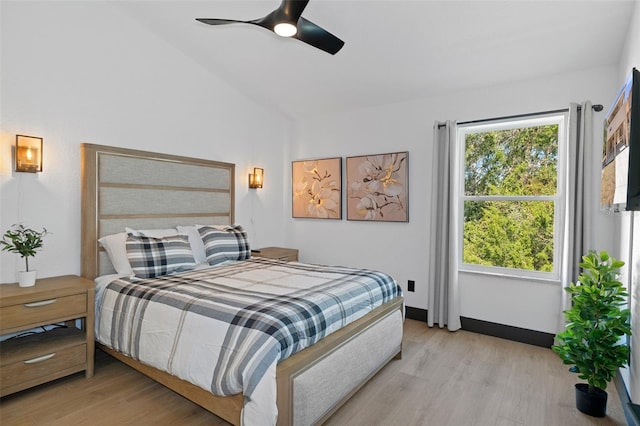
(40, 303)
(40, 358)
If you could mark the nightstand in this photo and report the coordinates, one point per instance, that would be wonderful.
(279, 253)
(41, 357)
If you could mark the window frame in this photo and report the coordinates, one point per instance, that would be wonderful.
(559, 199)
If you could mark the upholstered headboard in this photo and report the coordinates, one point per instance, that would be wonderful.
(146, 190)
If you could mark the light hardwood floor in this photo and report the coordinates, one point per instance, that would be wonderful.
(443, 378)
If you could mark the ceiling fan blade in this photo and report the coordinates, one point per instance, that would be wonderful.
(318, 37)
(289, 10)
(213, 21)
(293, 8)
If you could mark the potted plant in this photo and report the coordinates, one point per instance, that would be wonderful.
(596, 322)
(24, 241)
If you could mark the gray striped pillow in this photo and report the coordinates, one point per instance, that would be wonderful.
(151, 257)
(225, 243)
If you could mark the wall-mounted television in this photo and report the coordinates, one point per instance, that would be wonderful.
(620, 178)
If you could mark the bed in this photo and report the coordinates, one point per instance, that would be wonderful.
(140, 190)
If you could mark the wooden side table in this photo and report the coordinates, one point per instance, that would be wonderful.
(279, 253)
(41, 357)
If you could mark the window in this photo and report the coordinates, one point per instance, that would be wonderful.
(511, 196)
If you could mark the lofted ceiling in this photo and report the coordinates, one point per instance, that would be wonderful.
(395, 50)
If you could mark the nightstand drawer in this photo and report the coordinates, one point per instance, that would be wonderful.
(41, 311)
(43, 365)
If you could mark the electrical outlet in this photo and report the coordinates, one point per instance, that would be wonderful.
(411, 285)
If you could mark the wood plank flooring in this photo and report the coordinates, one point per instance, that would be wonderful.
(443, 378)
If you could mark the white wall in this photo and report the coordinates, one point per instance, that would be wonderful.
(402, 248)
(627, 226)
(75, 72)
(71, 78)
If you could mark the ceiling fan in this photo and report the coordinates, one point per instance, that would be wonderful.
(286, 21)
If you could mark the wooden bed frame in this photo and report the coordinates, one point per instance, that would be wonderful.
(114, 178)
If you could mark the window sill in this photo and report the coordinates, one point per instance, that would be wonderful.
(514, 276)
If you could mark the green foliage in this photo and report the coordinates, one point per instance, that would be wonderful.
(513, 162)
(596, 322)
(22, 240)
(511, 235)
(518, 161)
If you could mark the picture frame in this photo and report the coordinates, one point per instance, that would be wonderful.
(378, 187)
(317, 188)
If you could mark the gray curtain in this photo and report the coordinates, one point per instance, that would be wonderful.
(443, 303)
(579, 206)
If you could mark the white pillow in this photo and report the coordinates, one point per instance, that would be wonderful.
(197, 245)
(115, 246)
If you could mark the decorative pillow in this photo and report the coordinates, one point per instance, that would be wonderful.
(114, 245)
(225, 243)
(151, 257)
(197, 246)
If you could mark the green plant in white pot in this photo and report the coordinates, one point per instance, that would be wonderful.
(596, 322)
(25, 242)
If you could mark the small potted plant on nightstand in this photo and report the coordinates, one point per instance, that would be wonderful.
(24, 241)
(596, 323)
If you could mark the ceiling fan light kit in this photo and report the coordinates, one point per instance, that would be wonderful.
(285, 29)
(287, 21)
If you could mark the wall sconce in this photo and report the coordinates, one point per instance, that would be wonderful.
(256, 178)
(28, 154)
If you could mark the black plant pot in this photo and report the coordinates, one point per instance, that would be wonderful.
(593, 404)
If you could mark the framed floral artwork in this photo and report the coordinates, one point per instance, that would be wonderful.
(317, 188)
(378, 187)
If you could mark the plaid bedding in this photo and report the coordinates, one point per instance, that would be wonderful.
(222, 327)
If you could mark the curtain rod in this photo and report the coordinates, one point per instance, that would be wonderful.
(596, 107)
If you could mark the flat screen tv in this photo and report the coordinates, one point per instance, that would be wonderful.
(620, 178)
